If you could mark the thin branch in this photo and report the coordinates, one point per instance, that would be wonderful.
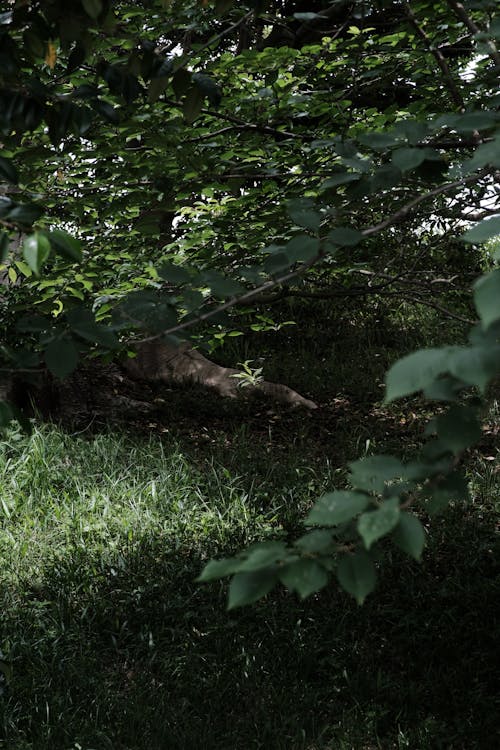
(444, 310)
(213, 40)
(403, 212)
(460, 11)
(439, 57)
(266, 129)
(268, 285)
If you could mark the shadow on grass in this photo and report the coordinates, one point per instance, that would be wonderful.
(125, 651)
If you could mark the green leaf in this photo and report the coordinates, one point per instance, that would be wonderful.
(61, 357)
(452, 487)
(8, 171)
(4, 246)
(385, 177)
(263, 555)
(106, 110)
(487, 297)
(471, 121)
(356, 574)
(341, 178)
(485, 230)
(307, 16)
(459, 428)
(376, 524)
(216, 569)
(303, 213)
(193, 104)
(475, 365)
(336, 507)
(416, 371)
(445, 388)
(246, 588)
(317, 542)
(304, 576)
(174, 274)
(65, 245)
(82, 322)
(372, 473)
(156, 88)
(25, 213)
(378, 141)
(36, 250)
(302, 248)
(93, 8)
(220, 285)
(345, 236)
(407, 159)
(409, 535)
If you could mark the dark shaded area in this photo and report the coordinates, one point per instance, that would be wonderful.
(421, 654)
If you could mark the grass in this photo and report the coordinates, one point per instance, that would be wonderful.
(108, 642)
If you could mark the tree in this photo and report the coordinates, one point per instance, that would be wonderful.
(167, 165)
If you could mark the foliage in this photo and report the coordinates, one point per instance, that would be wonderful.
(165, 173)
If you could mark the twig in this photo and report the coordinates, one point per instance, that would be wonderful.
(266, 286)
(267, 129)
(460, 11)
(443, 310)
(439, 57)
(403, 212)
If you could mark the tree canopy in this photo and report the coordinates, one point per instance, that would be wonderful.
(165, 165)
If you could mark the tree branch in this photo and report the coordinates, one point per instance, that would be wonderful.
(460, 11)
(438, 55)
(268, 285)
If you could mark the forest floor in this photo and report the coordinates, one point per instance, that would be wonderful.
(106, 519)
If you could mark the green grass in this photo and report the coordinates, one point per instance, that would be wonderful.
(107, 641)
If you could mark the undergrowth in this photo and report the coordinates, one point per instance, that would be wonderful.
(107, 641)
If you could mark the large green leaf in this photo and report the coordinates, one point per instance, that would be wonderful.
(409, 535)
(376, 524)
(92, 7)
(304, 576)
(8, 170)
(216, 569)
(61, 357)
(487, 296)
(407, 159)
(316, 542)
(302, 248)
(416, 371)
(345, 236)
(356, 574)
(442, 491)
(83, 323)
(66, 245)
(36, 250)
(303, 212)
(372, 473)
(336, 507)
(475, 365)
(484, 231)
(263, 555)
(246, 588)
(459, 427)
